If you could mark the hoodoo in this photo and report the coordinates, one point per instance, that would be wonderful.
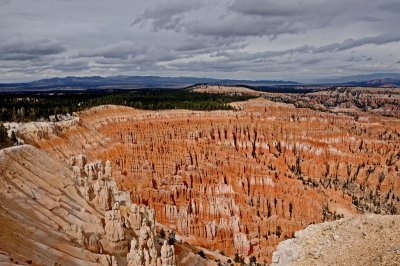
(200, 133)
(237, 182)
(77, 216)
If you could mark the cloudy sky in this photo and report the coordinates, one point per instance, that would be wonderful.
(251, 39)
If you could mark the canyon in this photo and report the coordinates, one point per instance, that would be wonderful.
(238, 182)
(233, 183)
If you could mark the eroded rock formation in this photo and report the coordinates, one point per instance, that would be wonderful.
(51, 213)
(167, 254)
(123, 220)
(240, 181)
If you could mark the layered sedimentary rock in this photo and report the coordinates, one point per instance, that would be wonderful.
(52, 213)
(241, 181)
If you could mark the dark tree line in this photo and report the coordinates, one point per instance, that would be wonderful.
(160, 99)
(34, 106)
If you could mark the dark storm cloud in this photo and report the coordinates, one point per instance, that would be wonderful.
(129, 53)
(4, 2)
(283, 8)
(352, 43)
(70, 65)
(121, 50)
(358, 59)
(144, 53)
(24, 49)
(166, 15)
(221, 38)
(393, 7)
(232, 26)
(308, 49)
(240, 19)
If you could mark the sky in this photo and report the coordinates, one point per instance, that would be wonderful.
(299, 40)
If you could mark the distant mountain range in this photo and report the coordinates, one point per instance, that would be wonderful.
(138, 82)
(375, 79)
(130, 82)
(383, 82)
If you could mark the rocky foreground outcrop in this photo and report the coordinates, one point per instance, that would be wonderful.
(362, 240)
(52, 214)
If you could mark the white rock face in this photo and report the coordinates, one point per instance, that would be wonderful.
(114, 226)
(102, 194)
(135, 255)
(107, 169)
(167, 255)
(98, 186)
(135, 218)
(142, 222)
(242, 244)
(287, 255)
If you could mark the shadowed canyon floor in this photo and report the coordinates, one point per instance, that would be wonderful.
(239, 181)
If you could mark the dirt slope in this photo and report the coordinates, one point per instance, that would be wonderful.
(35, 191)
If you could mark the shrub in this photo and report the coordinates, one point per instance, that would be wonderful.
(201, 254)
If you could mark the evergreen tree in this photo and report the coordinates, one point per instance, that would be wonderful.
(14, 137)
(4, 140)
(162, 233)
